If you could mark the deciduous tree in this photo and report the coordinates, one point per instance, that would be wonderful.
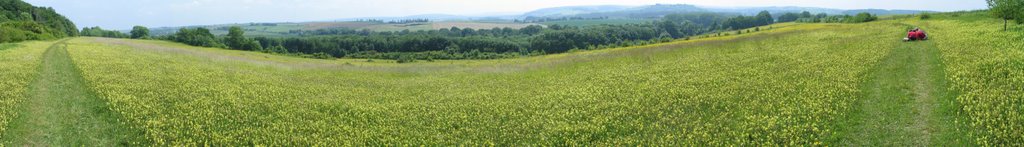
(140, 32)
(1007, 10)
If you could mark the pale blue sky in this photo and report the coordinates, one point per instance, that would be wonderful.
(122, 14)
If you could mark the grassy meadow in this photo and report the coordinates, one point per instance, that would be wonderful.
(794, 84)
(680, 93)
(986, 67)
(17, 71)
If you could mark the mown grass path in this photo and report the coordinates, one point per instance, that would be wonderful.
(61, 111)
(905, 101)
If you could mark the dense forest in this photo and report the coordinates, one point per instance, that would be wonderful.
(20, 21)
(807, 17)
(468, 43)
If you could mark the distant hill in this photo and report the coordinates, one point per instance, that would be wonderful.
(613, 11)
(658, 10)
(21, 21)
(435, 17)
(574, 10)
(773, 10)
(814, 10)
(584, 15)
(649, 11)
(883, 11)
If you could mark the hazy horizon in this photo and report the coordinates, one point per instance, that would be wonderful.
(122, 14)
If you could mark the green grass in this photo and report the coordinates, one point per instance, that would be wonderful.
(17, 70)
(62, 111)
(679, 93)
(4, 46)
(794, 84)
(985, 67)
(900, 102)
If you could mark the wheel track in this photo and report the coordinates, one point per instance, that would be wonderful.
(62, 111)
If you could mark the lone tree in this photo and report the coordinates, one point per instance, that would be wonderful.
(1007, 10)
(140, 32)
(765, 18)
(236, 37)
(236, 40)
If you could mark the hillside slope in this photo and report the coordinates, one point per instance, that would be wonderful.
(714, 91)
(793, 84)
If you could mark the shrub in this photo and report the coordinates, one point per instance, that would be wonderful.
(197, 37)
(862, 17)
(322, 55)
(406, 59)
(24, 30)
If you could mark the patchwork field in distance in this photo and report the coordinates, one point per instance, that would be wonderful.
(581, 23)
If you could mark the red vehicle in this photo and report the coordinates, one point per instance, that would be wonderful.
(916, 34)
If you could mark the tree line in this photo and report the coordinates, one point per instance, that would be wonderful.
(202, 37)
(137, 32)
(469, 43)
(807, 17)
(100, 32)
(20, 21)
(447, 43)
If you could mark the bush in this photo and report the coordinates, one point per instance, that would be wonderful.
(925, 16)
(406, 59)
(321, 55)
(24, 30)
(862, 17)
(197, 37)
(140, 32)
